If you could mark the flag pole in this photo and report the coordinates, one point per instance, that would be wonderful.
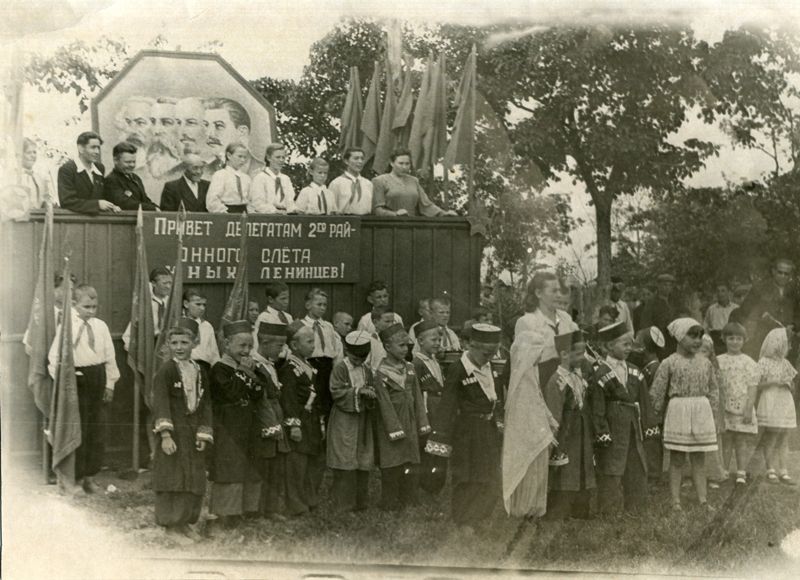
(471, 179)
(137, 390)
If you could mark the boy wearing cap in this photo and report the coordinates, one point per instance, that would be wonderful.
(305, 462)
(433, 472)
(350, 451)
(235, 393)
(182, 414)
(468, 428)
(622, 419)
(401, 421)
(270, 445)
(572, 461)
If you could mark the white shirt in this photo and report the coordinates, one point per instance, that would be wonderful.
(193, 186)
(263, 195)
(126, 336)
(483, 374)
(365, 323)
(620, 369)
(315, 199)
(81, 167)
(207, 350)
(333, 343)
(224, 190)
(376, 352)
(345, 193)
(82, 353)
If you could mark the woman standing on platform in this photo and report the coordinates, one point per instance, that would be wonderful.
(398, 193)
(543, 316)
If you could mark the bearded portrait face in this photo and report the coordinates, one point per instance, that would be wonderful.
(163, 152)
(191, 131)
(133, 122)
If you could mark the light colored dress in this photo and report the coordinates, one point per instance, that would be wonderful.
(739, 374)
(689, 388)
(396, 192)
(776, 404)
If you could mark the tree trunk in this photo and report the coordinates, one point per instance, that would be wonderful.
(602, 205)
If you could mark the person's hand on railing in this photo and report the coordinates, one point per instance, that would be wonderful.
(106, 205)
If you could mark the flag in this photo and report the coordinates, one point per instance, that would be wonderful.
(141, 353)
(42, 322)
(422, 116)
(459, 150)
(64, 427)
(236, 307)
(386, 139)
(371, 120)
(351, 114)
(394, 50)
(401, 126)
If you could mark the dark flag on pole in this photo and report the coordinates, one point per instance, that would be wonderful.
(350, 135)
(402, 114)
(386, 139)
(174, 309)
(64, 428)
(459, 150)
(429, 130)
(42, 323)
(236, 307)
(371, 120)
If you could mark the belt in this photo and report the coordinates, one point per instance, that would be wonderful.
(236, 207)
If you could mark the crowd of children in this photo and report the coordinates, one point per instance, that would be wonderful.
(265, 412)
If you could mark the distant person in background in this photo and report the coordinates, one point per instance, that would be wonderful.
(80, 180)
(229, 191)
(661, 309)
(398, 193)
(353, 193)
(424, 312)
(253, 310)
(377, 295)
(440, 314)
(123, 187)
(717, 316)
(615, 296)
(343, 323)
(190, 188)
(272, 190)
(644, 296)
(770, 304)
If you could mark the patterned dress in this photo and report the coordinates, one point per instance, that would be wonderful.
(740, 374)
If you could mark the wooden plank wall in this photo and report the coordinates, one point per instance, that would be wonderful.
(417, 257)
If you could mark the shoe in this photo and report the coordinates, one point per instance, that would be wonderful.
(741, 478)
(713, 485)
(772, 477)
(676, 507)
(191, 533)
(707, 507)
(786, 479)
(90, 485)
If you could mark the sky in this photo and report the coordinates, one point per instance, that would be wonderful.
(273, 38)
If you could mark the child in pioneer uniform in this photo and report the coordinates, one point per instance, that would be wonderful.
(622, 419)
(433, 471)
(270, 445)
(468, 428)
(182, 414)
(686, 385)
(305, 462)
(206, 352)
(401, 421)
(327, 346)
(350, 438)
(572, 462)
(235, 392)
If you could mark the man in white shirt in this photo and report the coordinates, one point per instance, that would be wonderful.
(353, 193)
(96, 374)
(717, 316)
(377, 295)
(161, 286)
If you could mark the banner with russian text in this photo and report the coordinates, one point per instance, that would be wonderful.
(315, 249)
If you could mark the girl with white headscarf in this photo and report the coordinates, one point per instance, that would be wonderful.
(776, 412)
(687, 385)
(529, 428)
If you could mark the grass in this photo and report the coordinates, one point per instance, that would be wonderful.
(742, 537)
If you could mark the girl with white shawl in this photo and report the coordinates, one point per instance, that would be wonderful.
(529, 428)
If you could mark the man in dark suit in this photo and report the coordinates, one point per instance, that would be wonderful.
(770, 304)
(80, 181)
(123, 187)
(660, 310)
(190, 188)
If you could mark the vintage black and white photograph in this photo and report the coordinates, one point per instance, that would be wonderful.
(468, 289)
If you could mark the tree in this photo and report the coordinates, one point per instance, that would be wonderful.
(600, 104)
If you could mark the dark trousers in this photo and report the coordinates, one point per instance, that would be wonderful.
(654, 451)
(324, 366)
(350, 489)
(177, 508)
(273, 476)
(568, 504)
(303, 479)
(398, 486)
(628, 490)
(91, 383)
(473, 502)
(432, 470)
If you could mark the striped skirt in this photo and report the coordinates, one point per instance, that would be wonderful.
(689, 425)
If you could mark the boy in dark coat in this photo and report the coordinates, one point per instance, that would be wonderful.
(183, 421)
(468, 428)
(572, 462)
(622, 418)
(305, 462)
(235, 393)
